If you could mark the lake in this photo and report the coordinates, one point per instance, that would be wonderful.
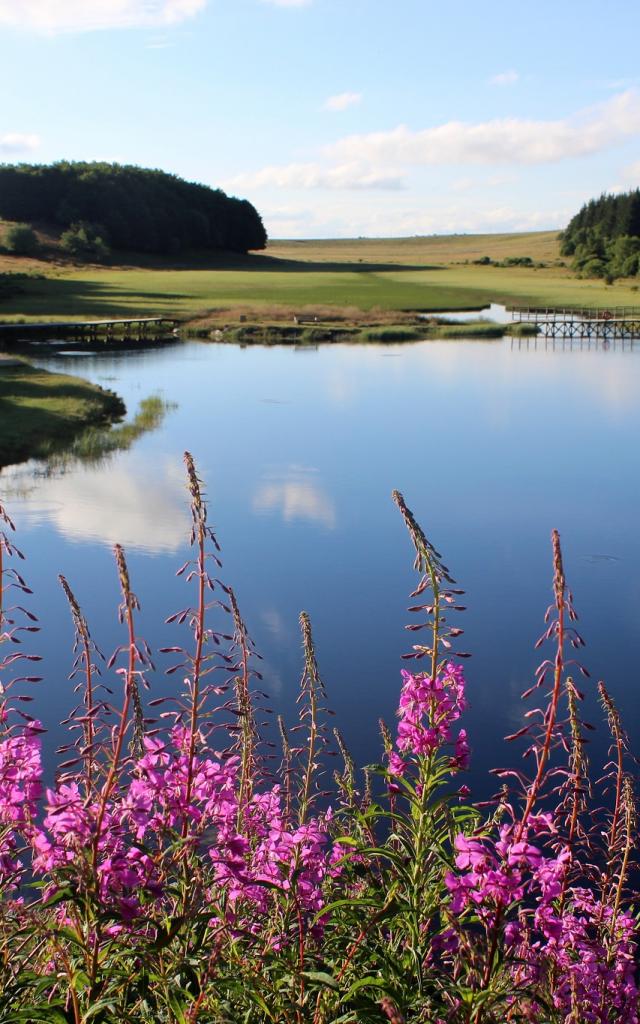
(492, 444)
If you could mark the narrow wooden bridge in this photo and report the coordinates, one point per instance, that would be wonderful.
(615, 323)
(137, 329)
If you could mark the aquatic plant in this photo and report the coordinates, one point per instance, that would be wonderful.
(170, 873)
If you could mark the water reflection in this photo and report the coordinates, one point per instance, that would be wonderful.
(492, 446)
(80, 493)
(275, 624)
(295, 494)
(495, 312)
(139, 505)
(567, 370)
(96, 444)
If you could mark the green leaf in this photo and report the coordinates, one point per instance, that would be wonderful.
(80, 980)
(70, 935)
(322, 977)
(361, 902)
(98, 1008)
(165, 937)
(36, 1015)
(259, 1001)
(178, 1010)
(346, 841)
(369, 982)
(59, 896)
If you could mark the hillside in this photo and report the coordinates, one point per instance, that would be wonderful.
(540, 246)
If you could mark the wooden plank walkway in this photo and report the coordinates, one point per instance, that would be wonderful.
(140, 328)
(574, 312)
(610, 324)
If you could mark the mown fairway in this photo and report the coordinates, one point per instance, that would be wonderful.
(383, 274)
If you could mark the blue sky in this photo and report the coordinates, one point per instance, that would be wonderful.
(338, 117)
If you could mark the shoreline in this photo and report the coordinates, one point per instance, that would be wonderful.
(41, 411)
(312, 330)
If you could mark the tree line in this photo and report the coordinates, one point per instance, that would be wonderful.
(101, 205)
(604, 236)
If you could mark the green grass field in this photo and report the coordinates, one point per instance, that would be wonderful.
(425, 274)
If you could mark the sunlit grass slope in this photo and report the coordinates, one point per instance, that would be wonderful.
(435, 273)
(439, 249)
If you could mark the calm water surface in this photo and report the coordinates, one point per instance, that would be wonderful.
(492, 444)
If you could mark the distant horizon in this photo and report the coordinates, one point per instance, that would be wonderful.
(392, 238)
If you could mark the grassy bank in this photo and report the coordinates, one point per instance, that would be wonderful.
(364, 275)
(286, 334)
(41, 412)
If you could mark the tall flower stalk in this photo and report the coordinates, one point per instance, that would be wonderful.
(200, 533)
(85, 650)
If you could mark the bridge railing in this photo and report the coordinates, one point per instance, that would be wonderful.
(546, 313)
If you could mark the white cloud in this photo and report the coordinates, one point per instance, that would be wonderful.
(631, 175)
(382, 161)
(342, 100)
(89, 15)
(506, 140)
(161, 43)
(462, 184)
(498, 180)
(288, 3)
(18, 142)
(505, 78)
(616, 84)
(493, 181)
(347, 220)
(313, 175)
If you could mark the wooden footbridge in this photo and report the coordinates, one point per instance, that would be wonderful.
(615, 323)
(137, 329)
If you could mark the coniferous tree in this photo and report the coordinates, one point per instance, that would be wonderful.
(604, 236)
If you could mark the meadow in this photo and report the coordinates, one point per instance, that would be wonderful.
(363, 277)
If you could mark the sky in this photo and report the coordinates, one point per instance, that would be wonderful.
(338, 118)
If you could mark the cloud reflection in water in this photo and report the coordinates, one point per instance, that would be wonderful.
(294, 494)
(131, 502)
